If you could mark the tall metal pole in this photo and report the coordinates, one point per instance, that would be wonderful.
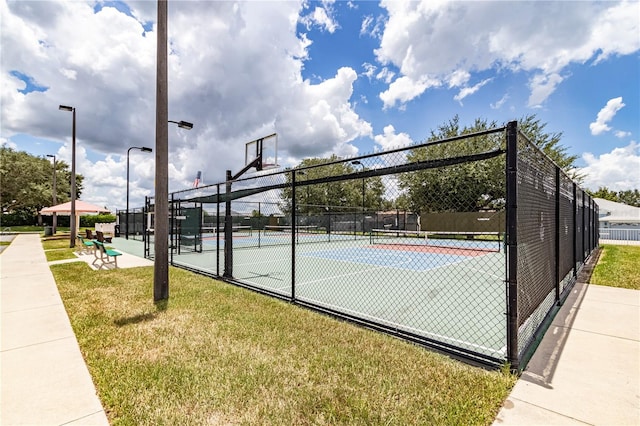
(74, 225)
(160, 244)
(72, 242)
(54, 194)
(126, 220)
(513, 355)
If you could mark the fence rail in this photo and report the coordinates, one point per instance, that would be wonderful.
(620, 234)
(466, 244)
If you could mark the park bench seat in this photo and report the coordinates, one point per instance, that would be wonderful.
(100, 237)
(104, 256)
(85, 247)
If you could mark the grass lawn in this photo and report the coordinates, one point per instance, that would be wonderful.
(219, 354)
(57, 249)
(618, 267)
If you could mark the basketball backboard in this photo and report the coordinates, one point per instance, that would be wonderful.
(265, 149)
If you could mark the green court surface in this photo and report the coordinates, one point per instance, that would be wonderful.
(454, 296)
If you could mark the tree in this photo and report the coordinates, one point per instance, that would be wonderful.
(473, 185)
(604, 193)
(315, 199)
(27, 182)
(628, 197)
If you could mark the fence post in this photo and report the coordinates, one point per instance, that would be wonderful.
(173, 236)
(575, 231)
(218, 230)
(228, 231)
(557, 234)
(145, 228)
(294, 220)
(512, 245)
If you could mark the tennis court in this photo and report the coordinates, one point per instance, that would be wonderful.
(507, 235)
(446, 289)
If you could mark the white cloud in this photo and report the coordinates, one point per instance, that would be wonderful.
(8, 143)
(322, 17)
(389, 139)
(372, 27)
(369, 70)
(243, 82)
(467, 91)
(622, 134)
(501, 102)
(385, 75)
(605, 115)
(618, 170)
(458, 78)
(542, 86)
(404, 89)
(425, 39)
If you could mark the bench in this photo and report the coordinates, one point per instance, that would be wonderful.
(85, 247)
(101, 237)
(105, 256)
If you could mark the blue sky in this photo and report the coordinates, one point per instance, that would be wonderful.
(343, 78)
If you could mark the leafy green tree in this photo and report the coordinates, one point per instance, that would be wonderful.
(27, 182)
(471, 186)
(606, 194)
(630, 197)
(314, 199)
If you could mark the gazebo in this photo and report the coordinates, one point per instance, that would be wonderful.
(82, 207)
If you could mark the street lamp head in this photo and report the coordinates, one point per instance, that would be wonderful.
(357, 163)
(185, 125)
(146, 149)
(52, 156)
(65, 108)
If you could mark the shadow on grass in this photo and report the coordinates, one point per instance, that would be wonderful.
(121, 322)
(161, 306)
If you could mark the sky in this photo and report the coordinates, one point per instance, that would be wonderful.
(329, 77)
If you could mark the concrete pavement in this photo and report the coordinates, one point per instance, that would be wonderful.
(44, 377)
(586, 370)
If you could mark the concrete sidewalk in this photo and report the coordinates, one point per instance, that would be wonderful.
(44, 377)
(587, 367)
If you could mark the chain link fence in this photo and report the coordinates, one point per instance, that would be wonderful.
(466, 245)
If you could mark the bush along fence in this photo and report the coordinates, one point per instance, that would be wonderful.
(468, 245)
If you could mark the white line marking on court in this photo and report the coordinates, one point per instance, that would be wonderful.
(348, 274)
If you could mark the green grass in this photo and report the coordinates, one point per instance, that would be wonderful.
(219, 354)
(57, 249)
(618, 267)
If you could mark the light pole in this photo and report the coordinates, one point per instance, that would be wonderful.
(143, 149)
(72, 220)
(54, 193)
(358, 163)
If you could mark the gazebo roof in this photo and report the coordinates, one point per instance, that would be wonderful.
(82, 207)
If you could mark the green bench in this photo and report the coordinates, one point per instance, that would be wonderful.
(105, 256)
(85, 247)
